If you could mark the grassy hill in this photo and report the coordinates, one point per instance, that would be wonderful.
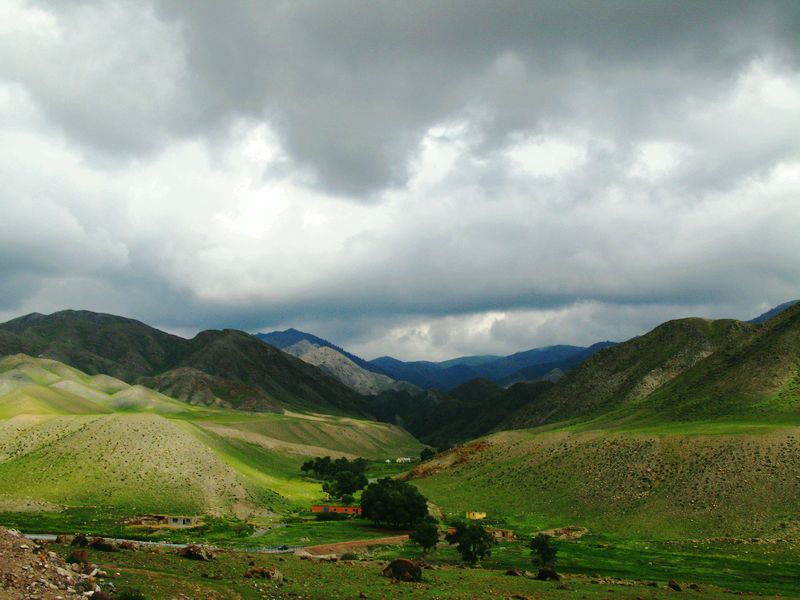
(743, 481)
(236, 369)
(691, 430)
(71, 439)
(684, 370)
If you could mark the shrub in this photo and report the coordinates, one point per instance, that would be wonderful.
(472, 541)
(393, 502)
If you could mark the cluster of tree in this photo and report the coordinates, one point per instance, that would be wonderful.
(392, 502)
(472, 541)
(342, 478)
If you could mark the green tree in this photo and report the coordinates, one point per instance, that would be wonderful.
(544, 553)
(393, 502)
(472, 541)
(426, 454)
(426, 533)
(344, 484)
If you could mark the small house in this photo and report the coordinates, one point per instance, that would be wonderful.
(165, 521)
(336, 509)
(474, 515)
(403, 459)
(502, 535)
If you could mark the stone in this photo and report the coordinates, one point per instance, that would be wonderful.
(402, 569)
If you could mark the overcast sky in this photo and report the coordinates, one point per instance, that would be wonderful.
(421, 179)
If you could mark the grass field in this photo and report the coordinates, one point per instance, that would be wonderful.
(667, 484)
(71, 440)
(616, 572)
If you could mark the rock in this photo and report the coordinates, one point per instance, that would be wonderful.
(80, 540)
(695, 587)
(362, 595)
(515, 572)
(196, 552)
(103, 545)
(548, 573)
(402, 569)
(61, 539)
(673, 585)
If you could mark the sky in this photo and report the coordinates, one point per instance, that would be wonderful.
(419, 179)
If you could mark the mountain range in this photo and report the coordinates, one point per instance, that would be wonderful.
(217, 367)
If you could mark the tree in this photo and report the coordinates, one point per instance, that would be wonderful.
(426, 533)
(426, 454)
(472, 541)
(544, 551)
(344, 484)
(393, 502)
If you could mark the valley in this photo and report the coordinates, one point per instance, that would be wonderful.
(677, 454)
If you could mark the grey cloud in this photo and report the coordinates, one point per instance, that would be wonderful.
(352, 86)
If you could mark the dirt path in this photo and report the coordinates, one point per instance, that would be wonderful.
(342, 547)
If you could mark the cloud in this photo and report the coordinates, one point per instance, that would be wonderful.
(411, 178)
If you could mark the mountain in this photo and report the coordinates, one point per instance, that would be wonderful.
(690, 430)
(469, 411)
(683, 370)
(235, 368)
(774, 312)
(529, 365)
(290, 337)
(351, 370)
(80, 440)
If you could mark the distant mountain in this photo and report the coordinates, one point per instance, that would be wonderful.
(773, 312)
(290, 337)
(471, 410)
(686, 369)
(226, 367)
(351, 370)
(529, 365)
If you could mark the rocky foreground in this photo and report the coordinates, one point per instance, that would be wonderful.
(29, 571)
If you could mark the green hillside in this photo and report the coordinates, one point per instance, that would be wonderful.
(221, 368)
(71, 439)
(637, 484)
(683, 370)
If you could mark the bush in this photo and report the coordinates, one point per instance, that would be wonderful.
(544, 551)
(393, 502)
(472, 541)
(426, 533)
(426, 454)
(130, 594)
(349, 556)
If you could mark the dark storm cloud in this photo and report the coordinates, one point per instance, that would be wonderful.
(418, 177)
(352, 86)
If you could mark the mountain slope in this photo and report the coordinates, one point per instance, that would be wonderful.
(683, 370)
(628, 372)
(70, 438)
(774, 312)
(354, 372)
(651, 485)
(342, 368)
(290, 337)
(131, 350)
(522, 366)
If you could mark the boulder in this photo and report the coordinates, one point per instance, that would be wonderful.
(103, 545)
(196, 552)
(402, 569)
(548, 573)
(80, 540)
(674, 585)
(515, 572)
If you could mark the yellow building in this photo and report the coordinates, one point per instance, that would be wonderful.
(473, 515)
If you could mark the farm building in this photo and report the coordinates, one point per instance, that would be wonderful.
(164, 521)
(331, 508)
(502, 535)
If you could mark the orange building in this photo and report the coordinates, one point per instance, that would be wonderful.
(330, 508)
